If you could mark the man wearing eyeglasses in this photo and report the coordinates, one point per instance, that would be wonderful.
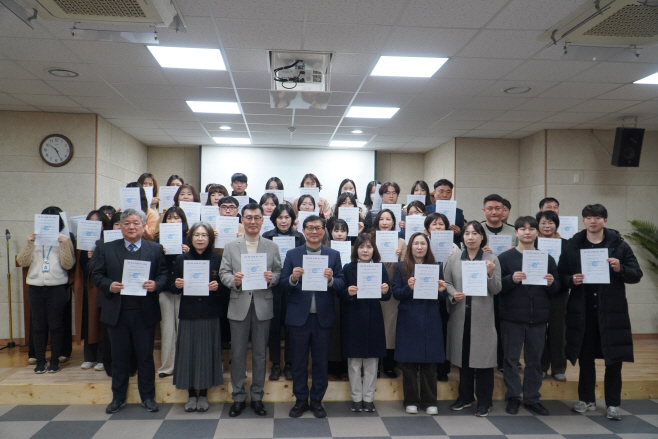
(310, 317)
(249, 310)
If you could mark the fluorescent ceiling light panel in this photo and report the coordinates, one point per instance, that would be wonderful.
(214, 107)
(651, 79)
(372, 112)
(188, 58)
(347, 143)
(409, 66)
(232, 140)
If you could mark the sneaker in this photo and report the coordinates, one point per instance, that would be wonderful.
(513, 406)
(560, 377)
(369, 406)
(31, 361)
(537, 408)
(53, 368)
(460, 405)
(613, 413)
(62, 359)
(432, 410)
(202, 404)
(582, 407)
(41, 367)
(99, 367)
(190, 406)
(87, 365)
(357, 406)
(482, 411)
(412, 409)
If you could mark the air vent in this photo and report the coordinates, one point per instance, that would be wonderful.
(103, 8)
(631, 21)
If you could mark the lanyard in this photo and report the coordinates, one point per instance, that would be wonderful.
(43, 252)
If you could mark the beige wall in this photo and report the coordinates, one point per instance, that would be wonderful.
(164, 162)
(532, 168)
(404, 169)
(440, 163)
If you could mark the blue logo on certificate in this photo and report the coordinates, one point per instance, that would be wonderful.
(130, 200)
(550, 250)
(386, 244)
(534, 265)
(567, 228)
(441, 244)
(499, 248)
(46, 227)
(135, 275)
(445, 212)
(254, 269)
(595, 263)
(369, 278)
(426, 279)
(227, 229)
(474, 276)
(315, 271)
(170, 236)
(88, 234)
(196, 275)
(347, 220)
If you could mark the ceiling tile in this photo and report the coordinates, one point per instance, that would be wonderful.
(252, 95)
(537, 87)
(457, 87)
(11, 70)
(185, 133)
(639, 92)
(39, 70)
(264, 128)
(165, 105)
(316, 129)
(367, 131)
(488, 103)
(343, 38)
(581, 90)
(387, 84)
(484, 115)
(387, 139)
(644, 107)
(157, 140)
(340, 98)
(502, 126)
(549, 126)
(37, 50)
(531, 14)
(9, 107)
(515, 44)
(345, 83)
(46, 100)
(170, 115)
(10, 26)
(421, 113)
(135, 123)
(146, 91)
(573, 117)
(211, 126)
(290, 10)
(190, 93)
(314, 120)
(200, 33)
(79, 110)
(444, 125)
(382, 99)
(256, 80)
(603, 105)
(331, 110)
(117, 103)
(247, 60)
(545, 104)
(419, 122)
(477, 68)
(523, 116)
(259, 34)
(310, 140)
(29, 86)
(249, 108)
(427, 41)
(197, 78)
(83, 88)
(351, 11)
(616, 72)
(518, 134)
(269, 119)
(547, 70)
(204, 140)
(352, 63)
(112, 113)
(486, 134)
(100, 52)
(144, 131)
(6, 99)
(270, 138)
(130, 74)
(447, 13)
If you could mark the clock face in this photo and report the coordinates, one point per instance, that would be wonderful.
(56, 150)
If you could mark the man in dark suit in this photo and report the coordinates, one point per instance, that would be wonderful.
(130, 319)
(310, 317)
(443, 191)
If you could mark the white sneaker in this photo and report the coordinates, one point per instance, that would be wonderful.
(612, 413)
(99, 367)
(432, 410)
(87, 365)
(582, 407)
(412, 409)
(62, 359)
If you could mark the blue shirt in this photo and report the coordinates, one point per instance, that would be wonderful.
(138, 244)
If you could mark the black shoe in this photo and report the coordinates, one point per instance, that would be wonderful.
(537, 408)
(236, 409)
(276, 373)
(150, 405)
(163, 375)
(500, 370)
(300, 407)
(482, 411)
(369, 406)
(115, 406)
(40, 367)
(460, 405)
(259, 408)
(513, 406)
(287, 372)
(443, 378)
(53, 367)
(391, 373)
(357, 406)
(318, 410)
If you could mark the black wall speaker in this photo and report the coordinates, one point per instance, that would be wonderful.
(628, 147)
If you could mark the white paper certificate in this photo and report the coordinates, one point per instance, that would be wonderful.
(243, 200)
(227, 230)
(499, 243)
(167, 197)
(88, 233)
(397, 211)
(130, 198)
(196, 275)
(345, 249)
(111, 235)
(553, 247)
(209, 214)
(65, 231)
(267, 225)
(535, 267)
(203, 196)
(369, 281)
(279, 194)
(74, 223)
(413, 224)
(351, 217)
(47, 229)
(411, 198)
(448, 208)
(474, 278)
(313, 277)
(285, 243)
(387, 244)
(594, 263)
(427, 281)
(171, 238)
(148, 190)
(135, 273)
(254, 266)
(301, 216)
(568, 226)
(192, 211)
(314, 192)
(441, 244)
(376, 201)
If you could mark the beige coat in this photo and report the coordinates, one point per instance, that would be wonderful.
(483, 330)
(390, 307)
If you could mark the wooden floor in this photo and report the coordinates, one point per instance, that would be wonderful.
(19, 384)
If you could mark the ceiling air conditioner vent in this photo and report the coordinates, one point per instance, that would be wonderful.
(104, 8)
(631, 21)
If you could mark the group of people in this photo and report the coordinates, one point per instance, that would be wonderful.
(568, 318)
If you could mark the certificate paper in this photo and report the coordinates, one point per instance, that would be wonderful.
(448, 208)
(313, 277)
(65, 231)
(148, 190)
(314, 192)
(595, 266)
(376, 201)
(209, 214)
(111, 235)
(135, 273)
(285, 243)
(74, 223)
(192, 211)
(88, 233)
(499, 243)
(413, 224)
(167, 197)
(535, 267)
(474, 278)
(227, 230)
(553, 247)
(171, 238)
(441, 244)
(411, 198)
(301, 216)
(397, 211)
(267, 225)
(196, 275)
(279, 194)
(351, 217)
(427, 281)
(130, 198)
(568, 226)
(243, 200)
(203, 196)
(254, 266)
(387, 244)
(47, 229)
(345, 249)
(369, 281)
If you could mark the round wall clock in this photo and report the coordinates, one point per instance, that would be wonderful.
(56, 150)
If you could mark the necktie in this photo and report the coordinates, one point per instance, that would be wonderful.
(132, 248)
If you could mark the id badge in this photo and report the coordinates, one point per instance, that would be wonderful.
(46, 267)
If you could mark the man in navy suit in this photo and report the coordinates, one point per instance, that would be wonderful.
(310, 317)
(443, 191)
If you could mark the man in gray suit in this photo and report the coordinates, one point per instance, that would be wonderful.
(249, 310)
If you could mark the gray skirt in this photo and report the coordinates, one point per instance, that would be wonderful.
(198, 361)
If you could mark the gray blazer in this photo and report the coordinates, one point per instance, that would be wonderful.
(483, 329)
(240, 300)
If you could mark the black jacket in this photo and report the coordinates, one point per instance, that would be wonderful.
(299, 237)
(198, 307)
(613, 318)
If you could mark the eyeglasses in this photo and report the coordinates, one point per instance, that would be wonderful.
(314, 229)
(547, 223)
(227, 207)
(202, 235)
(252, 219)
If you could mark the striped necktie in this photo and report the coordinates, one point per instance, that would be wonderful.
(132, 248)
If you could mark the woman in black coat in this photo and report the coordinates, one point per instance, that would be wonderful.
(362, 321)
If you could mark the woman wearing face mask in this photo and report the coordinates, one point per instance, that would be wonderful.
(310, 180)
(215, 193)
(364, 338)
(346, 199)
(370, 191)
(349, 186)
(419, 342)
(283, 218)
(148, 180)
(472, 336)
(198, 364)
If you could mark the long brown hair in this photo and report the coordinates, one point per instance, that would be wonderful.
(195, 194)
(409, 261)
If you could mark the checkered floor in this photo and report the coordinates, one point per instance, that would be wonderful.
(639, 421)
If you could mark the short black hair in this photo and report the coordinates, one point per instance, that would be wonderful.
(362, 239)
(444, 182)
(279, 210)
(418, 205)
(312, 218)
(252, 206)
(338, 224)
(479, 229)
(493, 197)
(433, 217)
(507, 204)
(241, 178)
(342, 183)
(375, 223)
(181, 214)
(301, 199)
(549, 215)
(268, 196)
(174, 177)
(341, 199)
(523, 220)
(595, 210)
(548, 200)
(423, 185)
(228, 199)
(54, 210)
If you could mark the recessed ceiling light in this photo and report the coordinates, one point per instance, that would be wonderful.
(357, 131)
(651, 79)
(188, 58)
(414, 67)
(517, 90)
(232, 140)
(347, 143)
(372, 112)
(214, 107)
(224, 127)
(62, 73)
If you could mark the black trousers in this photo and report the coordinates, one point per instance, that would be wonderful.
(553, 356)
(67, 333)
(425, 395)
(276, 327)
(130, 333)
(313, 338)
(500, 357)
(224, 325)
(93, 352)
(443, 368)
(47, 315)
